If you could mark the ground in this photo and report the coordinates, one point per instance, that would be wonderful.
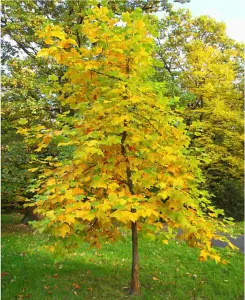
(167, 271)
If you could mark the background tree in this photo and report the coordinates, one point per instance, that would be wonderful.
(210, 77)
(204, 68)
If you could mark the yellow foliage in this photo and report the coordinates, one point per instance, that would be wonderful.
(128, 162)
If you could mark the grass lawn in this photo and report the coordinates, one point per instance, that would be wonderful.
(239, 228)
(166, 271)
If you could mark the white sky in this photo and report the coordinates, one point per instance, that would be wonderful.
(232, 12)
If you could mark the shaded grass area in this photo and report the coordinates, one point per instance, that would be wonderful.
(166, 271)
(13, 218)
(238, 228)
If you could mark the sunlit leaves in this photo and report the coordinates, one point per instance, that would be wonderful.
(129, 160)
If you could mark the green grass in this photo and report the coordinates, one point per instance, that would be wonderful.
(238, 228)
(105, 274)
(14, 218)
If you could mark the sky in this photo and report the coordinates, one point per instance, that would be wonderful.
(232, 12)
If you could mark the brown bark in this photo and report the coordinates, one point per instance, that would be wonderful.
(135, 282)
(30, 215)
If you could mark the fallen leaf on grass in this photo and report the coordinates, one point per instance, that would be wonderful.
(56, 276)
(46, 287)
(76, 286)
(90, 289)
(4, 274)
(154, 278)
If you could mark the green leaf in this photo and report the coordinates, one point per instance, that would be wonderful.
(53, 77)
(23, 121)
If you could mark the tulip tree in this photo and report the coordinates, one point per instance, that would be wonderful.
(129, 167)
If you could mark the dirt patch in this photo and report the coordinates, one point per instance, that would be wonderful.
(13, 228)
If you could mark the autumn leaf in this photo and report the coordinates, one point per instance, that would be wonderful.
(22, 121)
(33, 169)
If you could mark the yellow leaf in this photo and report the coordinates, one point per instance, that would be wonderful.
(202, 258)
(46, 139)
(121, 193)
(58, 33)
(48, 41)
(113, 186)
(32, 169)
(43, 52)
(104, 207)
(124, 216)
(51, 248)
(224, 262)
(69, 194)
(66, 43)
(50, 182)
(63, 230)
(154, 278)
(23, 131)
(86, 179)
(39, 127)
(40, 147)
(203, 255)
(232, 246)
(122, 201)
(165, 242)
(98, 50)
(23, 121)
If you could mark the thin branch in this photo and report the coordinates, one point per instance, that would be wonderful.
(107, 75)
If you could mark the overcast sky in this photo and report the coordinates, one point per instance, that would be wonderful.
(232, 12)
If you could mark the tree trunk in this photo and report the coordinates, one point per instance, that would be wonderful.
(135, 283)
(30, 215)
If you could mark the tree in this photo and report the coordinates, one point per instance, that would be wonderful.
(22, 101)
(218, 105)
(206, 73)
(129, 165)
